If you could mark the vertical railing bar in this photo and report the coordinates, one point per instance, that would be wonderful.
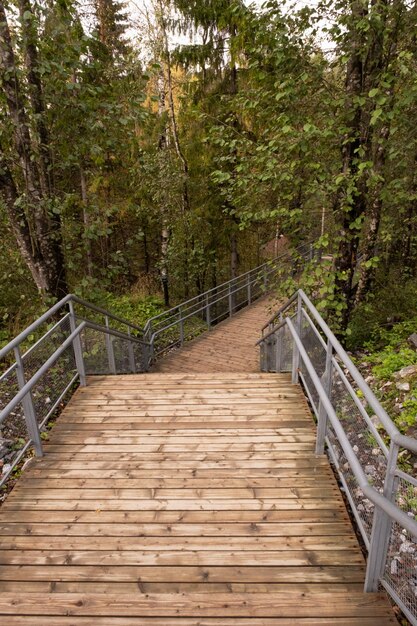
(249, 288)
(296, 354)
(381, 526)
(28, 406)
(109, 347)
(132, 363)
(77, 346)
(181, 326)
(230, 300)
(278, 347)
(322, 414)
(208, 320)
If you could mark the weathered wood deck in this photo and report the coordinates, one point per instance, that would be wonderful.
(230, 346)
(183, 500)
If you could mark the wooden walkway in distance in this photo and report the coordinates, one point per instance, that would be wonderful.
(191, 499)
(229, 346)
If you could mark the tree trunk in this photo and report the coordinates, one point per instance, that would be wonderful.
(171, 109)
(163, 147)
(86, 222)
(20, 226)
(367, 270)
(164, 262)
(234, 256)
(46, 251)
(348, 211)
(27, 19)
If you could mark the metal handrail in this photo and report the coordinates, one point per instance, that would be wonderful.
(300, 325)
(20, 338)
(27, 387)
(251, 285)
(402, 440)
(399, 516)
(111, 331)
(36, 355)
(135, 350)
(34, 326)
(105, 312)
(223, 286)
(276, 315)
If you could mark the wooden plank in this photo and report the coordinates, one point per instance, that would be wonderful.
(168, 558)
(254, 605)
(180, 441)
(131, 460)
(236, 529)
(333, 574)
(252, 504)
(182, 544)
(75, 586)
(173, 517)
(200, 393)
(180, 450)
(289, 474)
(243, 493)
(170, 483)
(35, 620)
(108, 428)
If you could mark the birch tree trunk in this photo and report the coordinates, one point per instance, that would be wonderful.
(44, 255)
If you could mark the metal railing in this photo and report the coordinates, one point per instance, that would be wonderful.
(70, 341)
(75, 339)
(172, 328)
(361, 440)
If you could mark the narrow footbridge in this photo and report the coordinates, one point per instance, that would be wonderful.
(198, 491)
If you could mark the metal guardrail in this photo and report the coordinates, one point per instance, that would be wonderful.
(361, 440)
(75, 338)
(172, 328)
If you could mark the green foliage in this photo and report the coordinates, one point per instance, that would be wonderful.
(388, 316)
(263, 118)
(391, 360)
(132, 307)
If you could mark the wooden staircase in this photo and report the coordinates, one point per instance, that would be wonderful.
(182, 500)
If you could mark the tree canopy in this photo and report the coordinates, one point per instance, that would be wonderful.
(163, 147)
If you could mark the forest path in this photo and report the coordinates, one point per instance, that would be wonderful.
(227, 347)
(185, 499)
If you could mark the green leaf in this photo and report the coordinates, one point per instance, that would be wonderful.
(375, 116)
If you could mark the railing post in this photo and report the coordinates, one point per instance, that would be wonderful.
(27, 404)
(249, 290)
(110, 351)
(296, 354)
(230, 301)
(149, 351)
(77, 347)
(262, 357)
(322, 414)
(278, 347)
(181, 326)
(208, 319)
(381, 527)
(131, 354)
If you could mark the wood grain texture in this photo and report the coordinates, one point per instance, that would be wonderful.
(191, 496)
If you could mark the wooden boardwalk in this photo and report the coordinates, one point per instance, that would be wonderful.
(230, 346)
(183, 500)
